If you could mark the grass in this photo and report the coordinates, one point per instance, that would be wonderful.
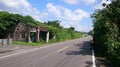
(40, 43)
(29, 43)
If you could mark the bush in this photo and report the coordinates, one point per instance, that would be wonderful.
(107, 32)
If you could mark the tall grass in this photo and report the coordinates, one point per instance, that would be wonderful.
(29, 43)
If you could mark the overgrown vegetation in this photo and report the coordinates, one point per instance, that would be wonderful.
(29, 43)
(8, 20)
(107, 32)
(61, 33)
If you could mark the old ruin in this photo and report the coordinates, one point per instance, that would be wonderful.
(28, 33)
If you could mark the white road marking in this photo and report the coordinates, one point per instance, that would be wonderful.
(62, 49)
(93, 58)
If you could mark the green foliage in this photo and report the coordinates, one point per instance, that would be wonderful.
(29, 43)
(8, 20)
(29, 20)
(107, 31)
(60, 33)
(54, 23)
(90, 32)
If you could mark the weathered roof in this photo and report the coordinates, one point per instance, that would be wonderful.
(42, 28)
(12, 29)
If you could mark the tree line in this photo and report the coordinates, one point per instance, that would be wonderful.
(107, 32)
(8, 20)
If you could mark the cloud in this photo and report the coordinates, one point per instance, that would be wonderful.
(84, 28)
(77, 25)
(75, 16)
(65, 13)
(19, 6)
(53, 9)
(74, 2)
(89, 1)
(68, 17)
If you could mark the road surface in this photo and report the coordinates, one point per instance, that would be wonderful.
(74, 53)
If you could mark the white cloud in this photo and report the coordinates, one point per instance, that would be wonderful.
(73, 2)
(65, 13)
(89, 1)
(53, 9)
(75, 16)
(19, 6)
(84, 28)
(77, 25)
(68, 17)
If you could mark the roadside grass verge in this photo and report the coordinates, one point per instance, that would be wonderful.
(29, 43)
(41, 43)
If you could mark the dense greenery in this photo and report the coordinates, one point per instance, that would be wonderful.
(8, 20)
(61, 34)
(107, 32)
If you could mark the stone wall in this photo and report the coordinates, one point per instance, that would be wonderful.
(20, 33)
(6, 41)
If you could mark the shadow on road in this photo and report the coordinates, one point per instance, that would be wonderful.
(89, 63)
(83, 49)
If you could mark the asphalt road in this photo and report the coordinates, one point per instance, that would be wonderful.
(74, 53)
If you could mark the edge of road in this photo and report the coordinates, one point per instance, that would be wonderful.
(93, 58)
(33, 49)
(22, 51)
(10, 49)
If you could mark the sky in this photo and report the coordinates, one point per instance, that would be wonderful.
(71, 13)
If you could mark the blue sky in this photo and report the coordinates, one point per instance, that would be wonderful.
(75, 13)
(85, 24)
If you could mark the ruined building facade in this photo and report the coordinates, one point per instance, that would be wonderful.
(28, 33)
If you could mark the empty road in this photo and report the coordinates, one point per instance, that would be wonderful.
(74, 53)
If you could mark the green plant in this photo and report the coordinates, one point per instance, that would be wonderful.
(29, 43)
(107, 32)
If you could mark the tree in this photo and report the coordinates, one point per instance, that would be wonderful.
(107, 31)
(29, 20)
(90, 32)
(8, 20)
(54, 23)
